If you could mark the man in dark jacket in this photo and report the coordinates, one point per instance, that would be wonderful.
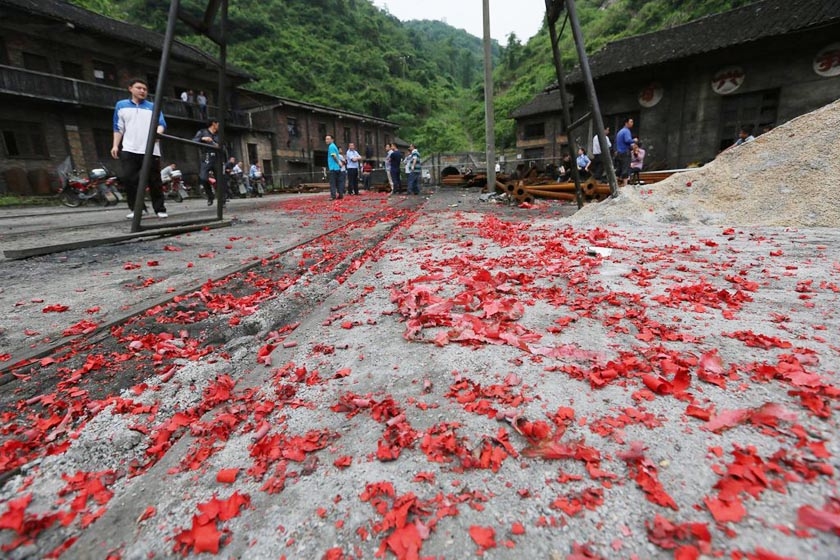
(208, 136)
(394, 160)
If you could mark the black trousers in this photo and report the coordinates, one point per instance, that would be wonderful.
(204, 178)
(353, 180)
(598, 166)
(131, 164)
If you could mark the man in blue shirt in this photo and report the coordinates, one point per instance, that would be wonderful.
(132, 118)
(623, 143)
(334, 165)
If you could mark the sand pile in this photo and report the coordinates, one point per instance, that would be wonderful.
(789, 176)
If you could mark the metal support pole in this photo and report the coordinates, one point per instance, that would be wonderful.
(221, 178)
(145, 168)
(489, 117)
(565, 115)
(593, 97)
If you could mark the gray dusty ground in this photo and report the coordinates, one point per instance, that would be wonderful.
(481, 384)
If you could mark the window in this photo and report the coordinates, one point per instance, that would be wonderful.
(758, 110)
(533, 154)
(24, 139)
(36, 62)
(104, 73)
(368, 138)
(72, 70)
(533, 130)
(292, 127)
(268, 170)
(322, 130)
(252, 153)
(4, 55)
(347, 135)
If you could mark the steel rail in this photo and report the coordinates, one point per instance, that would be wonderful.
(21, 359)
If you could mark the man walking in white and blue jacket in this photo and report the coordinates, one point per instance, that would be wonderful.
(132, 118)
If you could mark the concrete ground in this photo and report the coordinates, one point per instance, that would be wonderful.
(451, 378)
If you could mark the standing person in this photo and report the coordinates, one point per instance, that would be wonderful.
(597, 157)
(228, 170)
(354, 159)
(395, 159)
(367, 169)
(191, 103)
(254, 175)
(413, 170)
(334, 165)
(185, 98)
(132, 118)
(201, 99)
(209, 136)
(255, 178)
(623, 142)
(583, 163)
(388, 152)
(238, 175)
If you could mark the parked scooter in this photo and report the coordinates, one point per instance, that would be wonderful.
(172, 183)
(77, 189)
(257, 181)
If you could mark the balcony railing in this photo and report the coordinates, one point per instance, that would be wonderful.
(58, 89)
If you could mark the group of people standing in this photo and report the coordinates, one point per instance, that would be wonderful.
(132, 120)
(628, 154)
(393, 158)
(344, 169)
(235, 170)
(192, 102)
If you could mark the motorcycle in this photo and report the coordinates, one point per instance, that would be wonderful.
(258, 184)
(174, 187)
(98, 186)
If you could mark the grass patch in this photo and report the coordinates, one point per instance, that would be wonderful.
(13, 200)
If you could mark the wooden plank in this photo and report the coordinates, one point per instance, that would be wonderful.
(170, 229)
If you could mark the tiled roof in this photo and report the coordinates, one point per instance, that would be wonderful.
(547, 101)
(760, 20)
(91, 21)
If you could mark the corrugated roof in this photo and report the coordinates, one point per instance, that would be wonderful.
(127, 32)
(761, 20)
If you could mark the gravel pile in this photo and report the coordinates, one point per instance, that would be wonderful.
(786, 177)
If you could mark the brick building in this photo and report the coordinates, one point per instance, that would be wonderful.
(62, 69)
(689, 88)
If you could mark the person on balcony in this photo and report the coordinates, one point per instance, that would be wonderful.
(201, 99)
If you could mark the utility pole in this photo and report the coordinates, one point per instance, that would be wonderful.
(489, 119)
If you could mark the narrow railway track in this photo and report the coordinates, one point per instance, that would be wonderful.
(54, 390)
(17, 227)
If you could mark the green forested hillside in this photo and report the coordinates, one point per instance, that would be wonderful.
(425, 75)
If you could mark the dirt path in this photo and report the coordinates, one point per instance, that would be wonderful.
(475, 382)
